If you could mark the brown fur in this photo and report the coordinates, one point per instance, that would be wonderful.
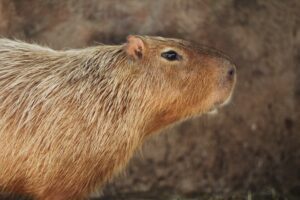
(70, 120)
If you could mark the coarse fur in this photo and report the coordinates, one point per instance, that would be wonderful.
(70, 120)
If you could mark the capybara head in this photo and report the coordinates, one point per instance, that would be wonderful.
(186, 79)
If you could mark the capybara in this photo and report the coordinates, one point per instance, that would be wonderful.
(70, 120)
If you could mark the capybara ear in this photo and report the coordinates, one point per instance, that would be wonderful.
(135, 47)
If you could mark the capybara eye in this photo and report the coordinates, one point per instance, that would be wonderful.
(171, 55)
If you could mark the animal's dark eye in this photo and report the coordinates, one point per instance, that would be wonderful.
(171, 55)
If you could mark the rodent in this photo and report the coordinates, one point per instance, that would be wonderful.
(70, 120)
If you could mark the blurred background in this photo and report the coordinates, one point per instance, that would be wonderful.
(251, 145)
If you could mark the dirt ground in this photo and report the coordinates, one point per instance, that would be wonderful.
(251, 144)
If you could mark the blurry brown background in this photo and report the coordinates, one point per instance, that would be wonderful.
(251, 144)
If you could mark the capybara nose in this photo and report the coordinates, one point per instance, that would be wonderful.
(228, 70)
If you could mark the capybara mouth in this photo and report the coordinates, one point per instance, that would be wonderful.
(213, 111)
(215, 108)
(220, 103)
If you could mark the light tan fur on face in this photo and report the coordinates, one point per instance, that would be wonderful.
(70, 120)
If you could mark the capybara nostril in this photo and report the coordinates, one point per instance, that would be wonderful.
(231, 71)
